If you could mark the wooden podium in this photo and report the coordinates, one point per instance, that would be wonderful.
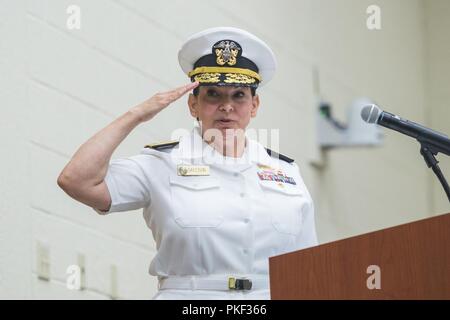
(413, 261)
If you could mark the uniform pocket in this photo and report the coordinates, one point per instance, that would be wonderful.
(196, 201)
(286, 202)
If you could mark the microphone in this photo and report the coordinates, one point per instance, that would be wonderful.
(438, 142)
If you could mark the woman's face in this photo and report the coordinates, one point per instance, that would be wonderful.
(224, 108)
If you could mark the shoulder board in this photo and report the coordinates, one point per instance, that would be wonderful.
(279, 156)
(162, 145)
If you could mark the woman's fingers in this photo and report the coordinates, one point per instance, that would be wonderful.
(177, 93)
(149, 108)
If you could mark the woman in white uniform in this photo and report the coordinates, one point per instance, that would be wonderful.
(219, 204)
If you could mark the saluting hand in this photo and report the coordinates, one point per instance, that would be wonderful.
(149, 108)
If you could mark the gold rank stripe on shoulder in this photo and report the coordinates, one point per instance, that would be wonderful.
(279, 156)
(162, 145)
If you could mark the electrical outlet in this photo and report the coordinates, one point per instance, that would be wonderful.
(43, 261)
(113, 288)
(81, 262)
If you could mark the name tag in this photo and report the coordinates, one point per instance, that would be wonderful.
(190, 170)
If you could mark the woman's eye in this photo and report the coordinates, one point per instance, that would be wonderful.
(239, 94)
(212, 93)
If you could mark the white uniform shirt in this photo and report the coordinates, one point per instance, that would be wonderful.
(226, 223)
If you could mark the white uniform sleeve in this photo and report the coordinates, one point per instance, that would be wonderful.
(308, 237)
(128, 186)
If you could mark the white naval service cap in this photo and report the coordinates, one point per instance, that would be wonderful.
(226, 56)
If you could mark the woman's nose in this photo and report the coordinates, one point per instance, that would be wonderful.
(226, 107)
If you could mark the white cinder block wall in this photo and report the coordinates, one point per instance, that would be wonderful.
(60, 86)
(437, 82)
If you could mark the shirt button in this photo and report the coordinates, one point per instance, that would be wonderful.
(245, 251)
(242, 194)
(236, 174)
(246, 220)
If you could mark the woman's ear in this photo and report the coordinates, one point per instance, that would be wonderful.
(192, 102)
(255, 106)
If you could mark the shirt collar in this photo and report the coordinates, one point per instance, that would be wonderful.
(193, 148)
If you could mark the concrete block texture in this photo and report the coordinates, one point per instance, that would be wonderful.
(59, 86)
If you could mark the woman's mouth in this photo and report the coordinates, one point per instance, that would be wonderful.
(225, 122)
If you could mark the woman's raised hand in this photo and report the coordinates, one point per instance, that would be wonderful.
(149, 108)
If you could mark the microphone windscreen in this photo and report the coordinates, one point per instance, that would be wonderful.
(370, 113)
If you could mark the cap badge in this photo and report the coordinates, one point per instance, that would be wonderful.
(227, 52)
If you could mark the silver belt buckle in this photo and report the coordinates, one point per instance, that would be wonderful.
(239, 284)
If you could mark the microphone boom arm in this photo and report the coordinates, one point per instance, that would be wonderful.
(429, 156)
